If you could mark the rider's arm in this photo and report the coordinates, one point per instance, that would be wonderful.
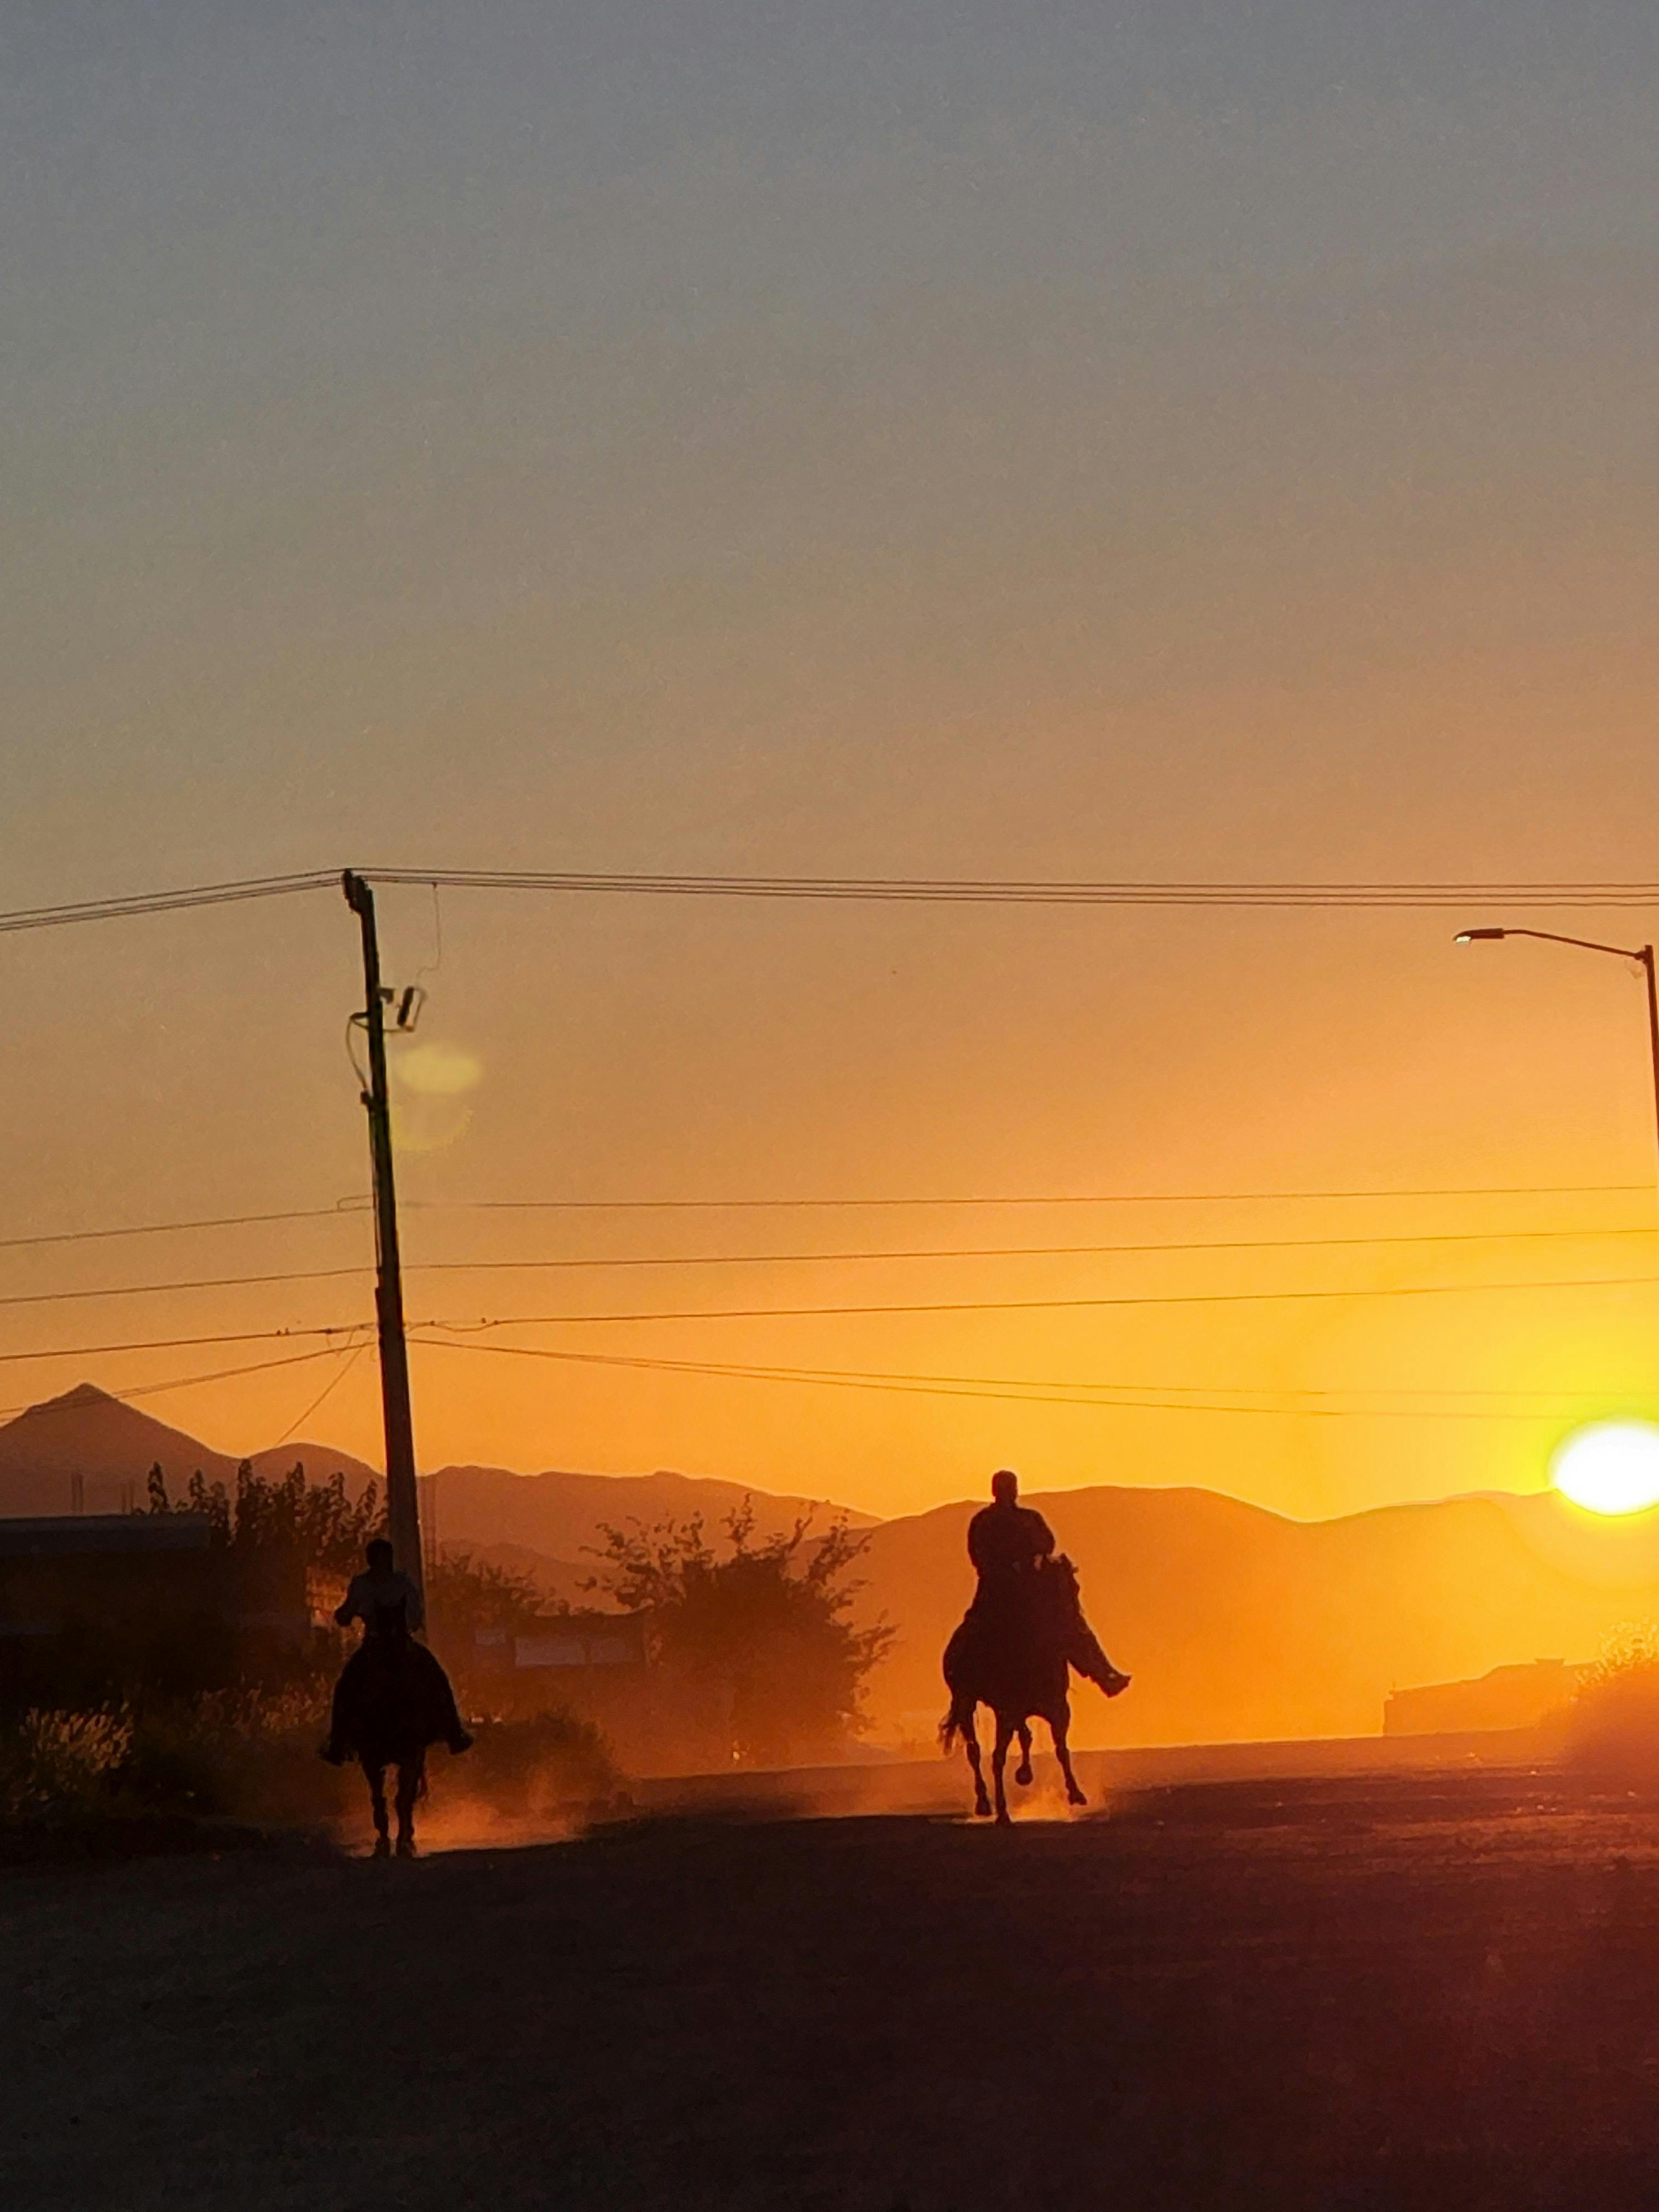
(1043, 1536)
(977, 1550)
(353, 1608)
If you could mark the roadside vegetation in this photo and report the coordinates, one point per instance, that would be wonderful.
(1613, 1723)
(761, 1623)
(125, 1749)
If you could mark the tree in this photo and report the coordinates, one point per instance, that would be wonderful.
(466, 1597)
(318, 1520)
(766, 1620)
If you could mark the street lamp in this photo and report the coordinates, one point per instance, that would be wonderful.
(1642, 955)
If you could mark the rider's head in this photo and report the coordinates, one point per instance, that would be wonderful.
(1004, 1486)
(378, 1556)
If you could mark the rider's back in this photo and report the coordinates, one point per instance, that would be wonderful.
(1004, 1537)
(387, 1602)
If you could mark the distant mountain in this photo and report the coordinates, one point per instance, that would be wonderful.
(560, 1514)
(1238, 1623)
(111, 1446)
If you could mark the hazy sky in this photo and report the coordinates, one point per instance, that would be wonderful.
(1164, 440)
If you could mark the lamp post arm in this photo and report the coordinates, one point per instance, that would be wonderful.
(1645, 954)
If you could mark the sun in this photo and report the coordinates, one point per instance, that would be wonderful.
(1611, 1467)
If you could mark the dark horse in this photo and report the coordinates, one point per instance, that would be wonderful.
(393, 1721)
(1013, 1654)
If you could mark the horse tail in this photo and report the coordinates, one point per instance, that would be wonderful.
(949, 1730)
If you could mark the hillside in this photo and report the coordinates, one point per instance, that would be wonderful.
(111, 1446)
(560, 1513)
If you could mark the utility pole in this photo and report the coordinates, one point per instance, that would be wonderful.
(1645, 956)
(403, 1500)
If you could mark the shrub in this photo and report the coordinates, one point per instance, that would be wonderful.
(1613, 1728)
(765, 1622)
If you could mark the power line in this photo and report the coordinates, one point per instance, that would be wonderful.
(346, 1211)
(1020, 1251)
(354, 1353)
(356, 1208)
(156, 1289)
(912, 890)
(186, 1381)
(914, 1386)
(782, 1259)
(1097, 1198)
(983, 891)
(182, 1343)
(1038, 1382)
(1053, 1305)
(116, 909)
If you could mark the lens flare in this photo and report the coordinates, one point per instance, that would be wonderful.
(1610, 1467)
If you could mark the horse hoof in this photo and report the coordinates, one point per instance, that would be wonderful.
(1023, 1776)
(382, 1847)
(1003, 1820)
(1075, 1796)
(982, 1808)
(406, 1847)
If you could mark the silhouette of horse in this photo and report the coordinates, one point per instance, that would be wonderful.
(1012, 1654)
(392, 1724)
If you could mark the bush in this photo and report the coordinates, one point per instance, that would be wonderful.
(55, 1765)
(765, 1624)
(1612, 1725)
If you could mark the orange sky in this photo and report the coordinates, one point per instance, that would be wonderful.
(1160, 448)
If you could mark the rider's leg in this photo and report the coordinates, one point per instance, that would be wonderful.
(337, 1749)
(1061, 1727)
(998, 1763)
(970, 1739)
(1023, 1771)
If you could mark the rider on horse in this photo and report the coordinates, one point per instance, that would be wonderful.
(389, 1604)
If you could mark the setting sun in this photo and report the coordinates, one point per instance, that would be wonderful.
(1610, 1467)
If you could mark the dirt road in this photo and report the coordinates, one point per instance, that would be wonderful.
(1394, 1991)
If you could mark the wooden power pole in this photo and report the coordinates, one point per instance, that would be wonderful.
(403, 1499)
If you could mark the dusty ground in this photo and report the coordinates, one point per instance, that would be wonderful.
(1385, 1992)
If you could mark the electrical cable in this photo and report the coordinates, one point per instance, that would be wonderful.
(205, 1283)
(1020, 1251)
(979, 892)
(1104, 1198)
(346, 1209)
(352, 1209)
(912, 1386)
(353, 1355)
(182, 1343)
(182, 1383)
(1057, 1306)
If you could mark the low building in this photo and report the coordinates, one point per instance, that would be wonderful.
(1506, 1697)
(90, 1603)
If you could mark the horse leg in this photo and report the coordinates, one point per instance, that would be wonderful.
(1023, 1771)
(377, 1802)
(998, 1763)
(970, 1741)
(1060, 1727)
(409, 1775)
